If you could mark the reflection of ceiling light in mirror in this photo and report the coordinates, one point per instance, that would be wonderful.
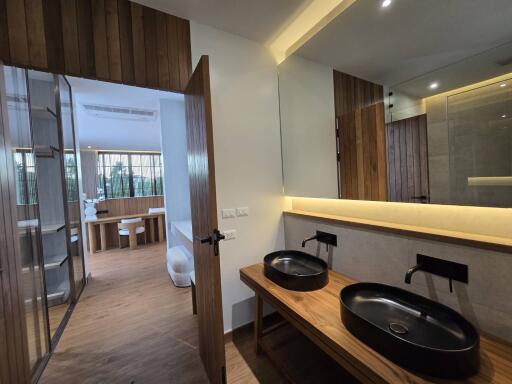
(89, 147)
(504, 116)
(386, 3)
(502, 85)
(433, 85)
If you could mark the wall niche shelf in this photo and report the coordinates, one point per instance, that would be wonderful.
(493, 243)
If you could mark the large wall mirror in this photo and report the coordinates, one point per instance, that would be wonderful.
(409, 102)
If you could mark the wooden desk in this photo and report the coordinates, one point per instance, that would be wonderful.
(317, 315)
(103, 221)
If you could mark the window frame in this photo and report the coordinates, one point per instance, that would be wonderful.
(131, 184)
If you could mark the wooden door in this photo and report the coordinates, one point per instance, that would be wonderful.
(204, 221)
(362, 158)
(407, 153)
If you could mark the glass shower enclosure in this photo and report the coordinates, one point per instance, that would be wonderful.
(42, 141)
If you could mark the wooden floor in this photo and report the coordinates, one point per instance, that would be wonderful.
(132, 325)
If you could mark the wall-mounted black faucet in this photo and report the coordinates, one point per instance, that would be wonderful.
(322, 237)
(448, 269)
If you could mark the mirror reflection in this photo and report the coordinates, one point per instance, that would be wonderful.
(424, 121)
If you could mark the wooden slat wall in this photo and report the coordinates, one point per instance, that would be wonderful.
(127, 206)
(352, 93)
(111, 40)
(130, 206)
(359, 109)
(407, 151)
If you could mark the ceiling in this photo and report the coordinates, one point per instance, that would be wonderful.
(117, 133)
(410, 37)
(258, 20)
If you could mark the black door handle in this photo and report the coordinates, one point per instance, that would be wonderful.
(214, 239)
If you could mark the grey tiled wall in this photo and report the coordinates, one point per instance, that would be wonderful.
(368, 255)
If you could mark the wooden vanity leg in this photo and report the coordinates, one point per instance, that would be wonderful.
(92, 237)
(258, 323)
(103, 237)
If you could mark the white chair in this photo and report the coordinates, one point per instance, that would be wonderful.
(131, 228)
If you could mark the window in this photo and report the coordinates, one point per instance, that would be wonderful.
(129, 174)
(25, 169)
(71, 177)
(26, 192)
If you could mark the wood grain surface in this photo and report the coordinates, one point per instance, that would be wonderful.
(316, 314)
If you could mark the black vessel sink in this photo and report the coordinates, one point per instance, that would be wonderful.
(296, 270)
(414, 332)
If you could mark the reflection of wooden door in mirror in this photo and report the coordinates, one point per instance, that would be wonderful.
(407, 151)
(362, 154)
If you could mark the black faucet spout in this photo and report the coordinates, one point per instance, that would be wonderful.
(308, 239)
(411, 271)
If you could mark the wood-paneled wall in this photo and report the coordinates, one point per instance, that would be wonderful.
(352, 93)
(111, 40)
(130, 206)
(126, 206)
(359, 111)
(407, 155)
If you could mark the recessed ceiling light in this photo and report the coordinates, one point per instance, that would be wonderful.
(386, 3)
(434, 85)
(503, 85)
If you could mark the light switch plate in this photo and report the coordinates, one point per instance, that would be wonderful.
(230, 234)
(228, 213)
(242, 211)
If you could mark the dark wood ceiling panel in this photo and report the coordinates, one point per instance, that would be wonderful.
(139, 48)
(53, 36)
(150, 42)
(162, 46)
(4, 33)
(99, 27)
(70, 36)
(85, 38)
(172, 50)
(184, 51)
(36, 33)
(112, 40)
(126, 41)
(17, 30)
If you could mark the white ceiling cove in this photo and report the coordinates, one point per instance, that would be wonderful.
(258, 20)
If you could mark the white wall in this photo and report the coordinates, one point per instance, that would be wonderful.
(246, 138)
(174, 153)
(117, 133)
(306, 93)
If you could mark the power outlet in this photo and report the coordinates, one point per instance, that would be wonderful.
(228, 213)
(230, 234)
(242, 211)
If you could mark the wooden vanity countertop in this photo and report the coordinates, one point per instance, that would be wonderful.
(316, 314)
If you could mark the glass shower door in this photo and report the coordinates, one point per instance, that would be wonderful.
(72, 190)
(14, 93)
(48, 150)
